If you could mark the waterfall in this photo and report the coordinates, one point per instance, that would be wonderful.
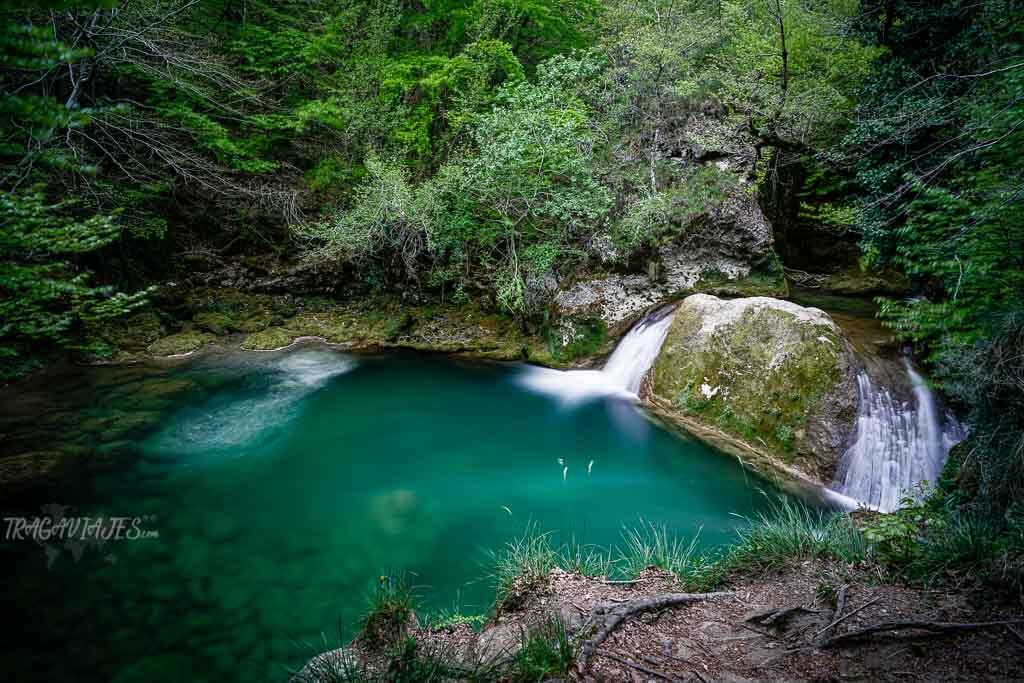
(898, 444)
(637, 351)
(621, 376)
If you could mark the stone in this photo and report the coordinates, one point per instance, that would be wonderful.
(180, 343)
(498, 642)
(777, 376)
(729, 249)
(270, 338)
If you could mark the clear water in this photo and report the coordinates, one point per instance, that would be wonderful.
(282, 484)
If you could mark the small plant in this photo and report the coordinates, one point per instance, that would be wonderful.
(588, 560)
(522, 565)
(825, 592)
(547, 653)
(391, 609)
(649, 545)
(330, 662)
(455, 616)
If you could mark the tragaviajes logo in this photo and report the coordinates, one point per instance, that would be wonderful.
(57, 531)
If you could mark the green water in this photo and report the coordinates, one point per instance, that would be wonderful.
(281, 485)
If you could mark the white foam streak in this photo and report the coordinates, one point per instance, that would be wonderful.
(243, 422)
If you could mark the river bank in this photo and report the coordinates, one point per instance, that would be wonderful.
(795, 598)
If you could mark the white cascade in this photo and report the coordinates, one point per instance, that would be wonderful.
(637, 351)
(621, 376)
(898, 444)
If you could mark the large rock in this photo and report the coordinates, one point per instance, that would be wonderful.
(773, 375)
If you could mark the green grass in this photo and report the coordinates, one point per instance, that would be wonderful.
(547, 653)
(789, 531)
(786, 531)
(648, 545)
(391, 607)
(918, 545)
(587, 560)
(521, 565)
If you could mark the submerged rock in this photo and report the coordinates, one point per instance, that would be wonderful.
(779, 377)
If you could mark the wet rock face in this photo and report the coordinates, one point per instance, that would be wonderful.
(773, 374)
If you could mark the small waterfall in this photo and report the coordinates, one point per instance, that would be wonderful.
(897, 446)
(621, 376)
(637, 351)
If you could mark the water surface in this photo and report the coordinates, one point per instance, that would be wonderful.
(282, 484)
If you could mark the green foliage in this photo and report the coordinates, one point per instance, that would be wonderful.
(46, 297)
(931, 544)
(940, 119)
(512, 205)
(547, 653)
(391, 608)
(667, 214)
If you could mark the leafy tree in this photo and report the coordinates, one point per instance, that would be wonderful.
(46, 297)
(937, 140)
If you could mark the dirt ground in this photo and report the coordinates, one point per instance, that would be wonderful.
(735, 638)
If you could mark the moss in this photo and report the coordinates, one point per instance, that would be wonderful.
(573, 339)
(133, 333)
(856, 282)
(384, 320)
(766, 278)
(271, 338)
(182, 342)
(757, 378)
(212, 322)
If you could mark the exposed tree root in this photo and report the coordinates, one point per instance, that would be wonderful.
(911, 624)
(823, 635)
(638, 667)
(607, 617)
(776, 617)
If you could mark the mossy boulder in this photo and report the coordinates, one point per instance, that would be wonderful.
(269, 339)
(775, 375)
(180, 343)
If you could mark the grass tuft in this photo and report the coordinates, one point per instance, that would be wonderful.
(391, 609)
(788, 531)
(547, 653)
(649, 545)
(521, 566)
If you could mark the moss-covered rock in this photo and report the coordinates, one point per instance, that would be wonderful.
(182, 342)
(775, 375)
(268, 339)
(857, 282)
(213, 322)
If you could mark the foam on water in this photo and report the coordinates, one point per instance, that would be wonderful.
(621, 376)
(271, 398)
